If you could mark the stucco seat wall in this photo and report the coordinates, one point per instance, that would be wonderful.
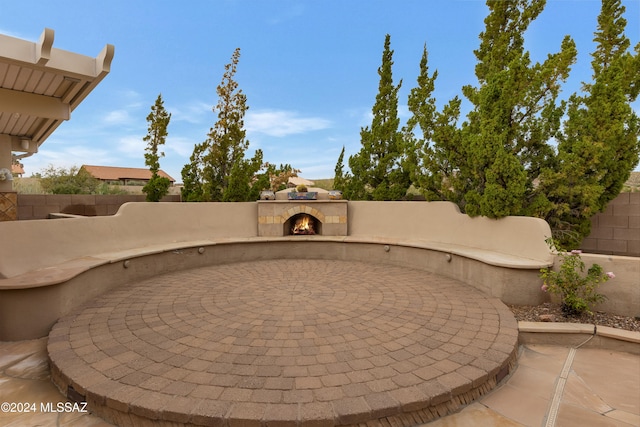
(441, 223)
(44, 243)
(75, 260)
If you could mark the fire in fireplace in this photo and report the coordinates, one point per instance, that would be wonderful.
(304, 224)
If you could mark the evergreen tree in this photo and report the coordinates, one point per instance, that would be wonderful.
(339, 180)
(616, 75)
(423, 110)
(376, 171)
(599, 146)
(158, 121)
(218, 170)
(434, 157)
(241, 185)
(490, 165)
(193, 185)
(226, 141)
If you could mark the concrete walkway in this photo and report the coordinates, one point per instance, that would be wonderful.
(602, 388)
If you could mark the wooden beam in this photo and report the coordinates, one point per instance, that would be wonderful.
(14, 102)
(43, 47)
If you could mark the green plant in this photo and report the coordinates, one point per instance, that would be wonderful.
(301, 188)
(158, 186)
(578, 291)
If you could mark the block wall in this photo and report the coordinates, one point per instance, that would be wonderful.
(39, 206)
(616, 231)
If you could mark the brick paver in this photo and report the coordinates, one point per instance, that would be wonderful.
(284, 343)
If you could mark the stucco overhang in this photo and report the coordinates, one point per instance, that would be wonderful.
(40, 86)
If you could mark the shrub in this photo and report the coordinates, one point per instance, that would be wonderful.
(577, 290)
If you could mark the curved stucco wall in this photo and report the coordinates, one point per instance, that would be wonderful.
(51, 266)
(442, 222)
(43, 243)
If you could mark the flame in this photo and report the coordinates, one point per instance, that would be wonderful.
(303, 226)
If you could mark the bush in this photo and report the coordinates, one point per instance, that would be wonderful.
(578, 292)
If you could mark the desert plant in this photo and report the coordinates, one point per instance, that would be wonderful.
(577, 290)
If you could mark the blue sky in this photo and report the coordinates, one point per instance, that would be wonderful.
(308, 68)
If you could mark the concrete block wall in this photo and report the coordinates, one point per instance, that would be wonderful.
(39, 206)
(616, 231)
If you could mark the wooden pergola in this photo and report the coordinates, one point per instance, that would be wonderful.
(39, 88)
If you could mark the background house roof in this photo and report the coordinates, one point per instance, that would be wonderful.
(294, 181)
(17, 169)
(111, 173)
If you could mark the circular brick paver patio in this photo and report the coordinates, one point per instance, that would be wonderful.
(277, 343)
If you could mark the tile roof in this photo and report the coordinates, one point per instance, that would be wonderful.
(111, 173)
(17, 169)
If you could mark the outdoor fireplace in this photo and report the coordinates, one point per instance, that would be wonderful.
(280, 218)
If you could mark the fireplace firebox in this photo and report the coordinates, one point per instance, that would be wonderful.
(302, 224)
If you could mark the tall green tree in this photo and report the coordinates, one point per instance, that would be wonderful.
(491, 164)
(515, 113)
(226, 142)
(245, 183)
(376, 171)
(339, 180)
(218, 170)
(599, 145)
(192, 179)
(434, 156)
(158, 121)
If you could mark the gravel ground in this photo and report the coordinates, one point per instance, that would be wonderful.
(549, 312)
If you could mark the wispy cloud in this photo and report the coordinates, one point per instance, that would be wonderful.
(194, 112)
(117, 117)
(127, 109)
(282, 123)
(182, 146)
(131, 146)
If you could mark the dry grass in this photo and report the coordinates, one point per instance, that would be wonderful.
(633, 183)
(27, 186)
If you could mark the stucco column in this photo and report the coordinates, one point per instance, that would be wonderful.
(5, 161)
(8, 198)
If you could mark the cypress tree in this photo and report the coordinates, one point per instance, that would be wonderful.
(217, 170)
(226, 142)
(339, 179)
(158, 120)
(192, 180)
(376, 171)
(435, 157)
(599, 146)
(504, 140)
